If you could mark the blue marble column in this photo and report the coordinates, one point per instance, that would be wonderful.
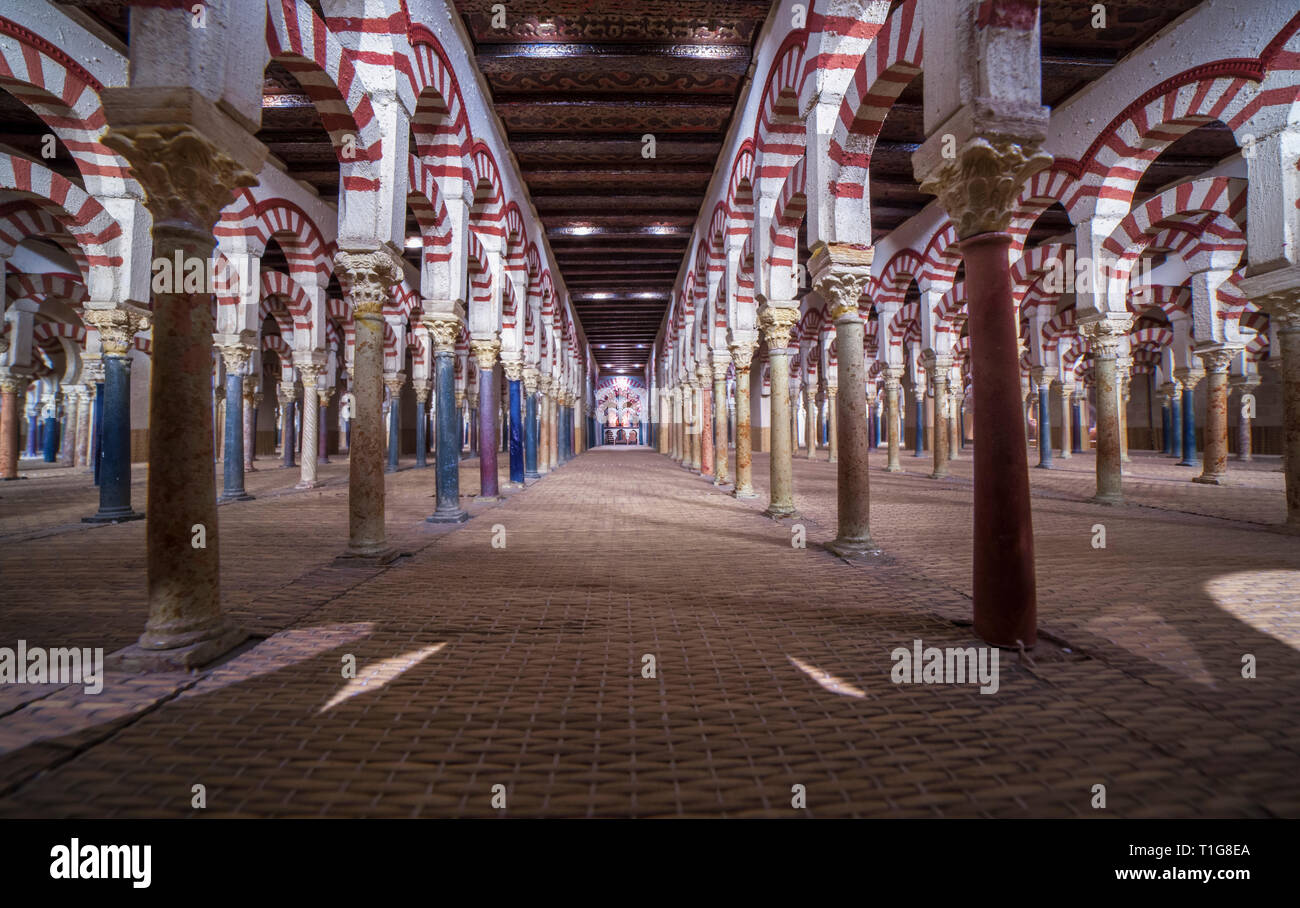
(97, 435)
(1164, 426)
(288, 404)
(115, 443)
(447, 420)
(1176, 424)
(33, 432)
(1076, 425)
(233, 455)
(530, 427)
(514, 376)
(50, 439)
(394, 383)
(1044, 426)
(1190, 456)
(920, 426)
(421, 426)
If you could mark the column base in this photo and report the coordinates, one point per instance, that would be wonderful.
(533, 474)
(322, 460)
(241, 495)
(114, 515)
(744, 493)
(944, 475)
(378, 555)
(309, 484)
(389, 468)
(1211, 480)
(853, 549)
(513, 485)
(1107, 499)
(833, 460)
(451, 515)
(488, 499)
(1064, 455)
(1042, 466)
(1188, 463)
(140, 658)
(779, 513)
(893, 469)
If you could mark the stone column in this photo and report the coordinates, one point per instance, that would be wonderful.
(514, 369)
(309, 372)
(811, 421)
(777, 323)
(1175, 419)
(84, 427)
(248, 393)
(938, 367)
(12, 388)
(1125, 368)
(1044, 384)
(288, 396)
(394, 382)
(368, 279)
(554, 423)
(675, 451)
(839, 273)
(691, 417)
(893, 418)
(832, 420)
(444, 323)
(531, 376)
(323, 447)
(471, 400)
(1245, 443)
(117, 328)
(1189, 379)
(978, 187)
(665, 421)
(742, 354)
(1065, 390)
(543, 424)
(721, 473)
(1278, 294)
(33, 428)
(486, 350)
(68, 436)
(189, 174)
(1164, 419)
(706, 420)
(421, 423)
(1215, 462)
(1104, 337)
(235, 353)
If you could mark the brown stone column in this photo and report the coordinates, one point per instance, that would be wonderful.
(705, 373)
(1104, 337)
(777, 323)
(938, 367)
(188, 177)
(367, 278)
(12, 389)
(743, 355)
(893, 387)
(1214, 459)
(721, 473)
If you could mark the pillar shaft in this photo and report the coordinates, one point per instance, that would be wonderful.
(1067, 436)
(811, 427)
(893, 422)
(447, 425)
(1215, 461)
(233, 456)
(11, 388)
(530, 431)
(777, 322)
(115, 442)
(1176, 423)
(743, 354)
(516, 431)
(1191, 457)
(1004, 587)
(486, 351)
(707, 448)
(938, 368)
(1104, 337)
(720, 465)
(1045, 425)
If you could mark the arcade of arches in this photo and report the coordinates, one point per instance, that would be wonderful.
(628, 391)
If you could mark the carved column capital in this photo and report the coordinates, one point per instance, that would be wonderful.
(743, 356)
(367, 279)
(512, 366)
(236, 356)
(286, 393)
(394, 381)
(186, 178)
(422, 389)
(444, 323)
(1106, 334)
(1218, 359)
(485, 352)
(12, 382)
(839, 274)
(532, 378)
(309, 372)
(978, 187)
(117, 327)
(777, 322)
(325, 395)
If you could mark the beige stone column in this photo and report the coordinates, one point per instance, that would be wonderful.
(955, 398)
(665, 422)
(1214, 459)
(309, 372)
(557, 398)
(1277, 294)
(543, 435)
(721, 360)
(704, 418)
(893, 385)
(938, 367)
(777, 322)
(693, 421)
(1125, 368)
(742, 354)
(248, 390)
(1104, 337)
(189, 158)
(1064, 391)
(326, 395)
(812, 422)
(367, 278)
(13, 388)
(85, 400)
(675, 403)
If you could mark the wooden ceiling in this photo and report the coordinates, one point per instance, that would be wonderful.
(578, 85)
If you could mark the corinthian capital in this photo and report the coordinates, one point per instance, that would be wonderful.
(979, 186)
(743, 356)
(236, 356)
(444, 321)
(839, 273)
(368, 279)
(512, 365)
(1106, 334)
(1217, 359)
(117, 327)
(531, 379)
(187, 179)
(485, 352)
(777, 322)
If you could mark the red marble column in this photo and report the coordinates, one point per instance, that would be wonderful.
(11, 389)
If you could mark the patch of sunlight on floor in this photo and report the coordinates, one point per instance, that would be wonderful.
(1268, 601)
(827, 680)
(377, 674)
(1147, 634)
(281, 650)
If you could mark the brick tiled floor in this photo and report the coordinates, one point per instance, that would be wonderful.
(521, 666)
